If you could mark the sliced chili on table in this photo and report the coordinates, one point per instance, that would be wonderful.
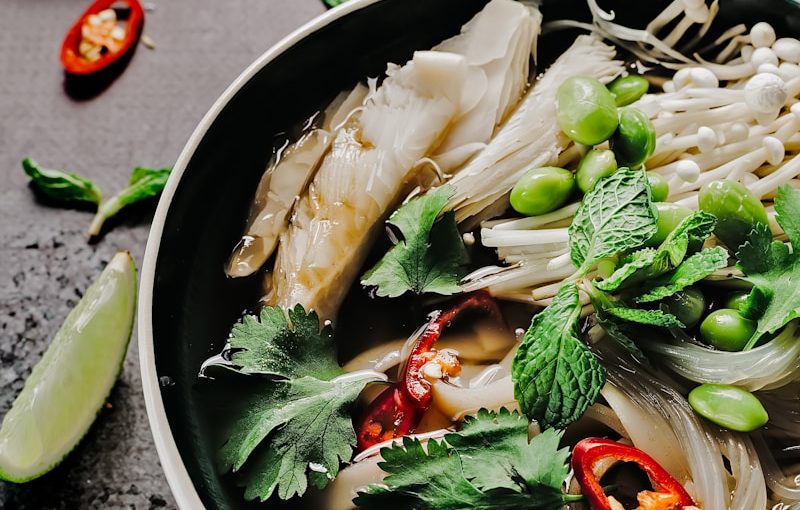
(667, 493)
(398, 410)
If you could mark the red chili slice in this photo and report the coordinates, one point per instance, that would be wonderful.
(397, 411)
(71, 58)
(589, 452)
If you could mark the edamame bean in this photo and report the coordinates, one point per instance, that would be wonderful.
(586, 110)
(659, 188)
(736, 300)
(627, 89)
(542, 190)
(595, 165)
(688, 306)
(729, 407)
(669, 216)
(727, 330)
(736, 208)
(635, 139)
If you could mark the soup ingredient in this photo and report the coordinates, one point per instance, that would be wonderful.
(595, 165)
(670, 215)
(144, 183)
(614, 217)
(428, 257)
(737, 210)
(727, 330)
(297, 428)
(61, 186)
(628, 89)
(530, 137)
(489, 463)
(635, 139)
(98, 38)
(659, 188)
(555, 375)
(772, 269)
(398, 410)
(688, 305)
(586, 110)
(542, 190)
(736, 300)
(729, 407)
(690, 271)
(70, 384)
(590, 452)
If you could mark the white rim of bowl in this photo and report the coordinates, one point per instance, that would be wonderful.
(180, 483)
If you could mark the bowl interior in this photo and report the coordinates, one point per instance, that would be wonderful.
(194, 304)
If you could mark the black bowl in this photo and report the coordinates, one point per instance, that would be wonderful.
(187, 305)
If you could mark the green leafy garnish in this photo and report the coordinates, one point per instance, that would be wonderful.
(333, 3)
(555, 375)
(645, 317)
(430, 257)
(616, 216)
(691, 271)
(488, 465)
(297, 428)
(144, 183)
(61, 186)
(773, 269)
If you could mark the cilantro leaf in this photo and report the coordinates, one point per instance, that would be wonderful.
(489, 464)
(555, 375)
(773, 269)
(272, 346)
(616, 216)
(298, 424)
(144, 183)
(431, 256)
(691, 271)
(62, 186)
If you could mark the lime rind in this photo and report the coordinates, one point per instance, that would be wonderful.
(69, 385)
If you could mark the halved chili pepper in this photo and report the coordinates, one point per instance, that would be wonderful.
(398, 410)
(71, 58)
(668, 492)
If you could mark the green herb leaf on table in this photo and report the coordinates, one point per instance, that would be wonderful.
(691, 271)
(489, 464)
(773, 269)
(62, 186)
(555, 375)
(430, 257)
(144, 183)
(615, 217)
(298, 427)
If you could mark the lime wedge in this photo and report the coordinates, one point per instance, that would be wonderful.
(70, 384)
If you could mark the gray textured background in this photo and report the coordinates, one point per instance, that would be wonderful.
(143, 118)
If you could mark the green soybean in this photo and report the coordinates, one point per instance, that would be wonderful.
(688, 306)
(627, 89)
(635, 139)
(669, 216)
(595, 165)
(736, 208)
(542, 190)
(736, 300)
(659, 188)
(586, 110)
(729, 407)
(727, 330)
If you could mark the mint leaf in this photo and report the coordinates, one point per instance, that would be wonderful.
(296, 425)
(488, 465)
(773, 269)
(61, 186)
(691, 271)
(646, 317)
(144, 183)
(616, 216)
(631, 265)
(430, 257)
(555, 375)
(270, 345)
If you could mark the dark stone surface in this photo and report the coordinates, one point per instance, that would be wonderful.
(143, 118)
